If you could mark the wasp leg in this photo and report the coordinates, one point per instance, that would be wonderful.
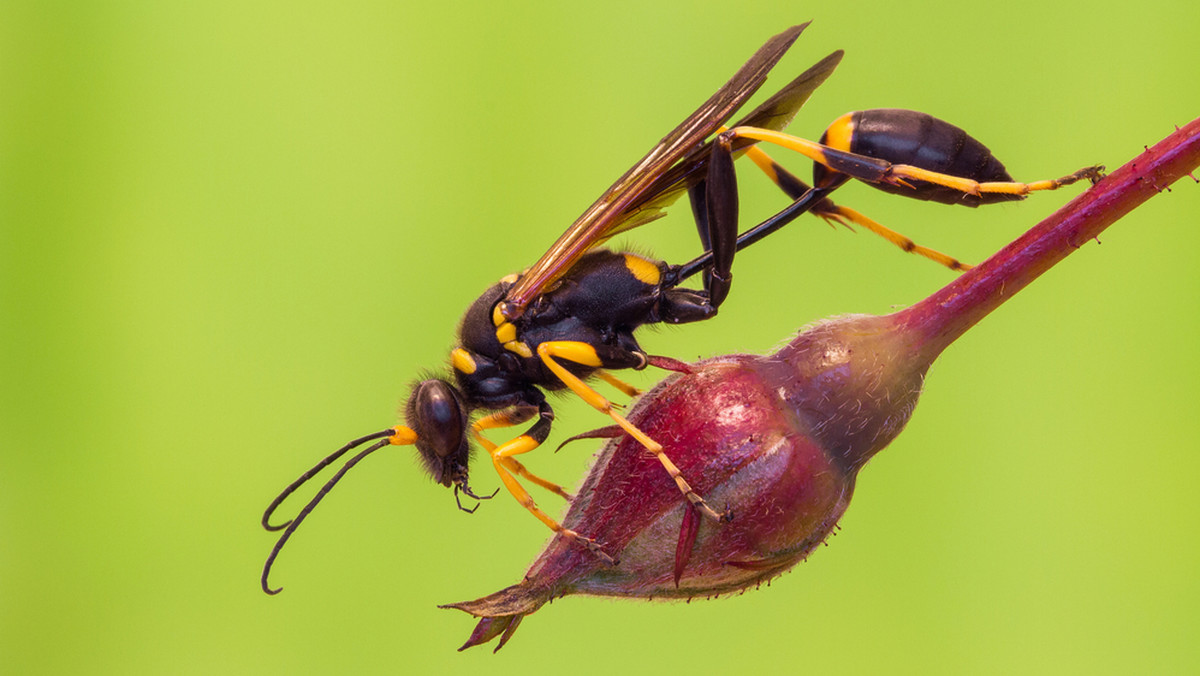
(795, 188)
(715, 209)
(846, 215)
(810, 200)
(616, 382)
(899, 172)
(587, 355)
(874, 170)
(509, 418)
(505, 465)
(721, 206)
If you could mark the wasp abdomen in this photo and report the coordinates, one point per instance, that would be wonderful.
(910, 137)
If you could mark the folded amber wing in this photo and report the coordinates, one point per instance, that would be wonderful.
(674, 164)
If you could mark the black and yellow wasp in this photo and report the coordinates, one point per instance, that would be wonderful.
(572, 315)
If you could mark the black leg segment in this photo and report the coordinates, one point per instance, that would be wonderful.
(721, 202)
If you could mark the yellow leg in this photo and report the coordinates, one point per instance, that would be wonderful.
(616, 382)
(765, 163)
(509, 418)
(582, 353)
(900, 174)
(502, 460)
(972, 187)
(846, 215)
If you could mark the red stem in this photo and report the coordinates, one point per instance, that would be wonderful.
(944, 316)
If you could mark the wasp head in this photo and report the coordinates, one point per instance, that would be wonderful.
(438, 415)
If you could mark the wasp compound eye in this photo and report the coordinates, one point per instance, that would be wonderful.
(437, 414)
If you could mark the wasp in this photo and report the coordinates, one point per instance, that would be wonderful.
(572, 315)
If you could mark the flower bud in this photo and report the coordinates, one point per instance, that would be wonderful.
(777, 440)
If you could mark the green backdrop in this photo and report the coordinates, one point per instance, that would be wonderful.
(232, 234)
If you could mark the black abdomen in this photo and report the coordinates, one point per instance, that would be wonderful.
(909, 137)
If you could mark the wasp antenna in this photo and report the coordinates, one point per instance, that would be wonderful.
(292, 525)
(266, 518)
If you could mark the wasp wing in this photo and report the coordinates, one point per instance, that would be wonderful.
(635, 186)
(775, 113)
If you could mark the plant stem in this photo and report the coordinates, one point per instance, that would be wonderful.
(944, 316)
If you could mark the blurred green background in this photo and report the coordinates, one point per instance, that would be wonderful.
(232, 234)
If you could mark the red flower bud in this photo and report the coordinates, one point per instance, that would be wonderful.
(775, 439)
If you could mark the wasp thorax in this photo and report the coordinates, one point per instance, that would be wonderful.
(437, 414)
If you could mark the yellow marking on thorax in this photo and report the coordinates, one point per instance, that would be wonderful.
(506, 334)
(519, 348)
(840, 132)
(646, 271)
(462, 361)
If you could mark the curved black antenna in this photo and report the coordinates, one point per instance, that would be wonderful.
(295, 523)
(266, 519)
(789, 213)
